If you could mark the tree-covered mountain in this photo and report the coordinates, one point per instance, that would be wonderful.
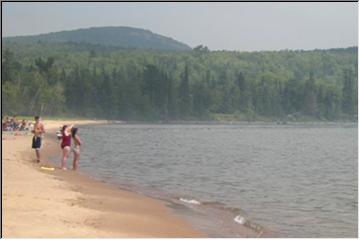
(125, 37)
(77, 79)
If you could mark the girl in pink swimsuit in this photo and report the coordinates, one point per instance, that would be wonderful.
(65, 145)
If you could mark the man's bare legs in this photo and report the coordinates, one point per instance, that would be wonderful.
(37, 151)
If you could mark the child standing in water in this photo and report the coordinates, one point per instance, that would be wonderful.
(65, 145)
(76, 149)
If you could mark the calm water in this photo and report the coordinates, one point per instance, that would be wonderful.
(298, 181)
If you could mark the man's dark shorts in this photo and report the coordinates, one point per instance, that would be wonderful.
(36, 142)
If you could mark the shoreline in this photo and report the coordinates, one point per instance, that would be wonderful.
(42, 203)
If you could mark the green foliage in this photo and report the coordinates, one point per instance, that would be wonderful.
(9, 66)
(131, 84)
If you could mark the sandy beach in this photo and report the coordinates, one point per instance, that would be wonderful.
(43, 203)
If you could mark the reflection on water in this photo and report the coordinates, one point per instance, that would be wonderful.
(296, 180)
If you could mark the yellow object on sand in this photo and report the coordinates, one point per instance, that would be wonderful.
(48, 168)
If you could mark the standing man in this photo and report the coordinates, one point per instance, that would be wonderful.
(38, 131)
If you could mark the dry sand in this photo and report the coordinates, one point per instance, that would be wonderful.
(41, 203)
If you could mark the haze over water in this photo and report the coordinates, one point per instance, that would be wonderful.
(299, 181)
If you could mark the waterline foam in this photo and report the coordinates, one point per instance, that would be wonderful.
(239, 219)
(191, 201)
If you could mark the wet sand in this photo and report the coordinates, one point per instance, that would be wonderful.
(43, 203)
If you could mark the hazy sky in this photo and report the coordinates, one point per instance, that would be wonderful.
(230, 26)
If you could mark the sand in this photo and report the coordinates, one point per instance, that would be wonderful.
(43, 203)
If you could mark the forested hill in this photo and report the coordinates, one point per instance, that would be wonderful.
(126, 37)
(77, 79)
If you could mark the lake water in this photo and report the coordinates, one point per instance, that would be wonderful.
(298, 181)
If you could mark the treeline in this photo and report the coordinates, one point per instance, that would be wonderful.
(93, 81)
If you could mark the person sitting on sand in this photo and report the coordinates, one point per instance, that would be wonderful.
(15, 123)
(76, 149)
(4, 124)
(65, 145)
(38, 131)
(23, 125)
(8, 124)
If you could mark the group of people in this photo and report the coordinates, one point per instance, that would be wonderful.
(69, 133)
(12, 124)
(66, 135)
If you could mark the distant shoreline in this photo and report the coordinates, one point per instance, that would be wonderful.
(194, 122)
(204, 122)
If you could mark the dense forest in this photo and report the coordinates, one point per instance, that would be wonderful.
(89, 80)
